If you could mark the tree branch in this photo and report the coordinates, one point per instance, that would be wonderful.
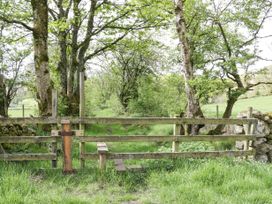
(99, 50)
(16, 22)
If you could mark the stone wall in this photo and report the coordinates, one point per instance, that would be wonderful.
(263, 144)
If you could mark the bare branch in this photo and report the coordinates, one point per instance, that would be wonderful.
(16, 22)
(249, 86)
(99, 50)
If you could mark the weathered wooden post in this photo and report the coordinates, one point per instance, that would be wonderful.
(217, 111)
(102, 150)
(23, 110)
(248, 129)
(54, 133)
(176, 132)
(82, 115)
(67, 139)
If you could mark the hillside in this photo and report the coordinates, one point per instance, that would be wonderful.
(261, 103)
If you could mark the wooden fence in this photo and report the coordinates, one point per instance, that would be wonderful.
(66, 136)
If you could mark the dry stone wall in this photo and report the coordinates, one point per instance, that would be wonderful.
(263, 144)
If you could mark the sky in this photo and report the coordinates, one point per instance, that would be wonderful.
(265, 45)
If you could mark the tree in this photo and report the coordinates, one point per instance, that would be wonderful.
(235, 32)
(193, 105)
(13, 51)
(222, 43)
(132, 60)
(39, 19)
(83, 34)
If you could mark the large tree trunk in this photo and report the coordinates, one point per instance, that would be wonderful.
(40, 35)
(227, 113)
(193, 107)
(3, 99)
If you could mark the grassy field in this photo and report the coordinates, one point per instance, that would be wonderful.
(165, 181)
(262, 103)
(31, 108)
(179, 181)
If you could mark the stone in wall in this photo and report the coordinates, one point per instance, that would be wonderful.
(263, 145)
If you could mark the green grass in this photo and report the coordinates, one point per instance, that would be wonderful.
(30, 108)
(184, 181)
(165, 181)
(262, 103)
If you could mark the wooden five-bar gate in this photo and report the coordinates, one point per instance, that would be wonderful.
(67, 136)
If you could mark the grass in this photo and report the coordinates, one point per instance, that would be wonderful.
(165, 181)
(261, 103)
(179, 181)
(30, 108)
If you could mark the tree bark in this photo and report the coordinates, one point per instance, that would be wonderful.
(3, 99)
(40, 36)
(193, 107)
(232, 99)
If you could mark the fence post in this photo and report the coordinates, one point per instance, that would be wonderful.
(67, 139)
(248, 128)
(82, 115)
(102, 151)
(217, 111)
(23, 110)
(176, 132)
(54, 133)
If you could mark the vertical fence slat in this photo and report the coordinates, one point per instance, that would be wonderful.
(82, 115)
(23, 110)
(54, 133)
(248, 128)
(54, 126)
(176, 131)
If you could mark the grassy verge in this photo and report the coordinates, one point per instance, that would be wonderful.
(262, 103)
(165, 181)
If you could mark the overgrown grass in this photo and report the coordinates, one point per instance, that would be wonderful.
(178, 181)
(164, 181)
(261, 103)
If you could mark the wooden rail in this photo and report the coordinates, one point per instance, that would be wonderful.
(169, 155)
(179, 138)
(126, 121)
(26, 139)
(66, 136)
(28, 157)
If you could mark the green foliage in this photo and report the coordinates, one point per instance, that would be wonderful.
(207, 87)
(161, 96)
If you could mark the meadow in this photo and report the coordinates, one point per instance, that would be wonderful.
(185, 181)
(180, 181)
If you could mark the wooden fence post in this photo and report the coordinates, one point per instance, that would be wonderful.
(248, 128)
(217, 111)
(23, 110)
(176, 132)
(82, 115)
(67, 147)
(54, 133)
(102, 150)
